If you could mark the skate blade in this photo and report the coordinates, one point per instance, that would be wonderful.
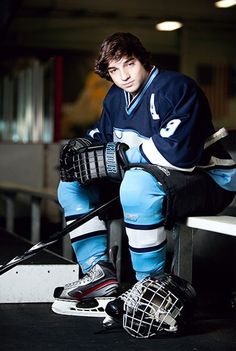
(89, 308)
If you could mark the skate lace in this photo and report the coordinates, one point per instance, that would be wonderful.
(88, 278)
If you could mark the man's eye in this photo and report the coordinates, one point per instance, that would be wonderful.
(111, 71)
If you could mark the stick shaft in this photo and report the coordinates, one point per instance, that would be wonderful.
(56, 236)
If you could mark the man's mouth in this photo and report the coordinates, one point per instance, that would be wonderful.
(128, 85)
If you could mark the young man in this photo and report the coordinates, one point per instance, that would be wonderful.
(165, 120)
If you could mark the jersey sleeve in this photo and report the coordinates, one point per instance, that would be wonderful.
(185, 123)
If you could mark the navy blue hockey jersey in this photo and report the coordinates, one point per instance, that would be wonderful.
(169, 119)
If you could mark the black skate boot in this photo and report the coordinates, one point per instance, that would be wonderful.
(100, 281)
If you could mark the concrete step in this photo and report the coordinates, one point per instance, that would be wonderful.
(35, 283)
(35, 280)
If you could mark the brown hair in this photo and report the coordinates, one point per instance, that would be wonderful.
(119, 45)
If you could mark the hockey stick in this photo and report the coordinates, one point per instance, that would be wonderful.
(56, 236)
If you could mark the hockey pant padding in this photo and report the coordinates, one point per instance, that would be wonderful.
(189, 194)
(75, 199)
(142, 199)
(89, 241)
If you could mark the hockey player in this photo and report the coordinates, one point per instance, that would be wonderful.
(162, 121)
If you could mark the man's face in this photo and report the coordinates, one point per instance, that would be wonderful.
(128, 74)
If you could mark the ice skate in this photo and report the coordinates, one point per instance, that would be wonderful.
(89, 295)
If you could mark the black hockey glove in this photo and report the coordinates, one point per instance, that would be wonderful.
(67, 151)
(89, 163)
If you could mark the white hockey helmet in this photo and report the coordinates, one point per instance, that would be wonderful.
(158, 305)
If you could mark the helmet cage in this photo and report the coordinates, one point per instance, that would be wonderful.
(151, 308)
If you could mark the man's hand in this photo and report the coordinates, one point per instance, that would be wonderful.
(68, 150)
(85, 162)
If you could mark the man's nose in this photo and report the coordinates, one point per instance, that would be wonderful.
(124, 75)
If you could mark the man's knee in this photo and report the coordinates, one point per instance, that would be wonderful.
(74, 199)
(140, 190)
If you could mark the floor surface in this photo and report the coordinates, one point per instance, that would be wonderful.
(35, 327)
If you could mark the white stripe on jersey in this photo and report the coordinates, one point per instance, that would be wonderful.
(156, 158)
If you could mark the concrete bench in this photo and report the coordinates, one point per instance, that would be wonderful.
(184, 232)
(182, 236)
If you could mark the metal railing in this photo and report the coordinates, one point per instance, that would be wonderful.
(10, 192)
(36, 195)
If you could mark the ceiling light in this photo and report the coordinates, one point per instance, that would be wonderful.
(225, 3)
(168, 25)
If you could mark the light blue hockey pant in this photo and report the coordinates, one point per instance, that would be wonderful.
(141, 198)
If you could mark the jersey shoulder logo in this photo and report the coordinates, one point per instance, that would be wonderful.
(153, 108)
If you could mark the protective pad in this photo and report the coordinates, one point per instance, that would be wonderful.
(188, 194)
(97, 162)
(68, 150)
